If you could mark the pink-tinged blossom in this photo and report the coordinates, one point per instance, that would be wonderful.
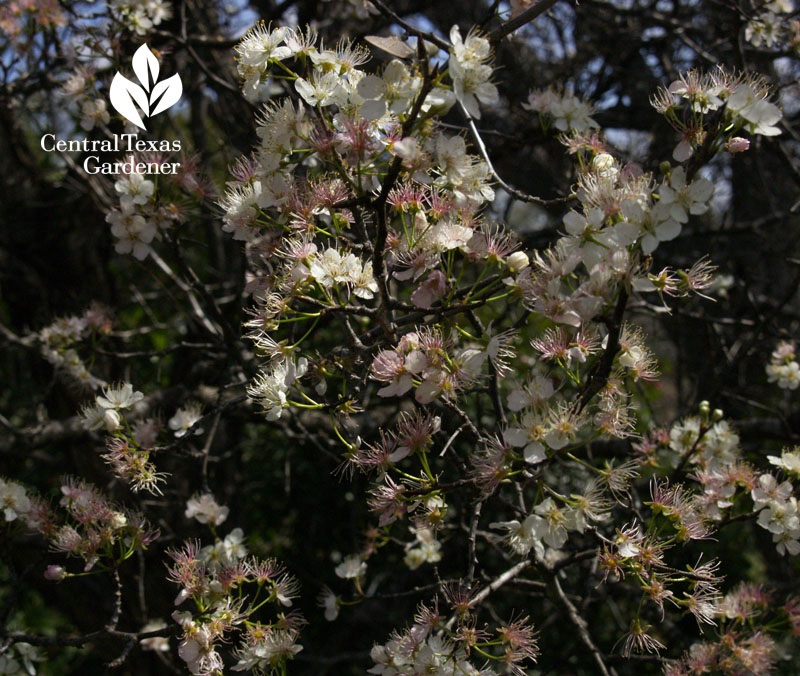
(639, 641)
(55, 573)
(387, 500)
(431, 290)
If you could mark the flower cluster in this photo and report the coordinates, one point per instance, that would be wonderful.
(227, 588)
(427, 356)
(355, 206)
(330, 268)
(96, 529)
(709, 109)
(130, 224)
(139, 16)
(769, 26)
(621, 207)
(711, 446)
(783, 367)
(549, 523)
(424, 549)
(432, 646)
(91, 527)
(146, 214)
(777, 509)
(736, 649)
(128, 449)
(270, 388)
(566, 111)
(61, 339)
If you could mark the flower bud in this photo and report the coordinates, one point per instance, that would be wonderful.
(605, 166)
(603, 161)
(118, 520)
(737, 145)
(717, 415)
(705, 408)
(518, 261)
(431, 49)
(183, 594)
(111, 420)
(55, 573)
(631, 357)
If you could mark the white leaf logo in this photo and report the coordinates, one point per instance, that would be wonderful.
(143, 61)
(152, 97)
(123, 94)
(169, 91)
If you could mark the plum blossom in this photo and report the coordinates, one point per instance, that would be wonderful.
(788, 460)
(431, 290)
(530, 437)
(330, 603)
(425, 549)
(682, 198)
(269, 388)
(352, 567)
(321, 89)
(393, 90)
(185, 418)
(567, 110)
(204, 508)
(134, 188)
(759, 114)
(94, 112)
(470, 71)
(119, 396)
(133, 231)
(14, 500)
(521, 537)
(783, 367)
(763, 30)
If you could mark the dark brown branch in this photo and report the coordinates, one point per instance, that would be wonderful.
(519, 21)
(91, 637)
(603, 368)
(579, 623)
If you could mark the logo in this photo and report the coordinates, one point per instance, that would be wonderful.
(152, 97)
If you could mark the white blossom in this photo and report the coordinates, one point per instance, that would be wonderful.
(471, 72)
(351, 567)
(204, 508)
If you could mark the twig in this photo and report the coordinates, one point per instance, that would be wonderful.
(413, 30)
(579, 623)
(91, 637)
(519, 21)
(183, 286)
(504, 578)
(379, 204)
(603, 369)
(519, 194)
(112, 623)
(472, 559)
